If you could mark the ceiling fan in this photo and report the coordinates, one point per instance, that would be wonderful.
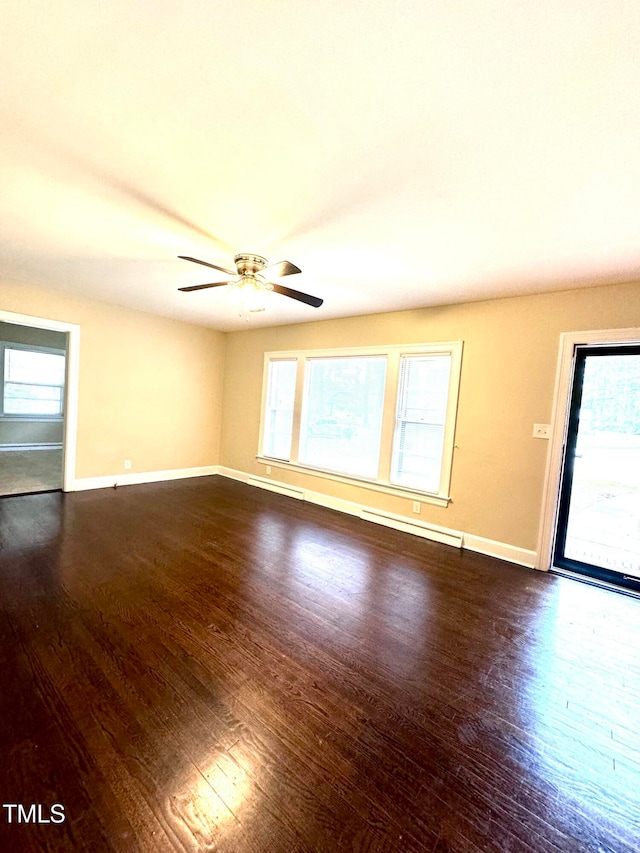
(250, 276)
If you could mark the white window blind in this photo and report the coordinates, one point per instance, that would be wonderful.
(33, 382)
(278, 426)
(421, 416)
(342, 414)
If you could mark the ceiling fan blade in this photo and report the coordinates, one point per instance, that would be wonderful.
(204, 286)
(205, 264)
(314, 301)
(282, 268)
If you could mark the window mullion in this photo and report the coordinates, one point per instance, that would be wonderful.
(297, 406)
(389, 416)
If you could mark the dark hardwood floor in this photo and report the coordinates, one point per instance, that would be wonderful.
(201, 665)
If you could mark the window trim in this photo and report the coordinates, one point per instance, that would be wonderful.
(22, 416)
(393, 353)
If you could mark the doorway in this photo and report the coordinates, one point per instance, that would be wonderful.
(39, 366)
(598, 528)
(32, 393)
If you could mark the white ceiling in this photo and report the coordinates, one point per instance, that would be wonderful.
(403, 154)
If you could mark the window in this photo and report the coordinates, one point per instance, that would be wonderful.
(279, 409)
(421, 417)
(342, 414)
(384, 416)
(32, 381)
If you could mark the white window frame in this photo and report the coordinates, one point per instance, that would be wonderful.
(393, 354)
(25, 416)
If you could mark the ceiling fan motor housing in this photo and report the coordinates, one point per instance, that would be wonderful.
(249, 264)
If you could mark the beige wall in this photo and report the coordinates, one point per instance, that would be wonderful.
(151, 390)
(150, 387)
(508, 372)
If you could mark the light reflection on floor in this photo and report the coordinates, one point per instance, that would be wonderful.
(210, 800)
(572, 686)
(344, 588)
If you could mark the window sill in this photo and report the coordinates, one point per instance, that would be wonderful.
(384, 488)
(48, 419)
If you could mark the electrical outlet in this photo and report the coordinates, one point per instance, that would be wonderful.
(416, 507)
(268, 470)
(127, 464)
(541, 431)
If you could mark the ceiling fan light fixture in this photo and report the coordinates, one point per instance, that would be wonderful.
(251, 285)
(248, 294)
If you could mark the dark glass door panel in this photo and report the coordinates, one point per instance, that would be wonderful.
(598, 532)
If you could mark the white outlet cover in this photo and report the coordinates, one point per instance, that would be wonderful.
(541, 430)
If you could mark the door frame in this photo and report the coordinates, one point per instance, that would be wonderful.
(559, 427)
(70, 437)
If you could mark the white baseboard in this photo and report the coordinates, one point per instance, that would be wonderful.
(436, 533)
(510, 553)
(83, 483)
(444, 535)
(232, 474)
(328, 501)
(279, 488)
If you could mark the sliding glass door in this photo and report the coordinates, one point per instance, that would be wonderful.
(598, 531)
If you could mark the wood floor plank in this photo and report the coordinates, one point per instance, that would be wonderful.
(200, 665)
